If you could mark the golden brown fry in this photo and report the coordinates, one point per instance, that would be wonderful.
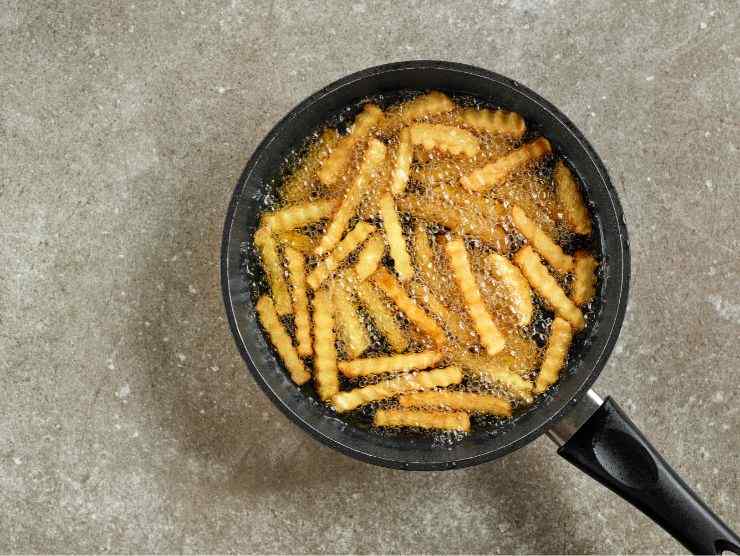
(456, 400)
(495, 121)
(495, 370)
(374, 157)
(445, 138)
(300, 183)
(516, 284)
(280, 339)
(391, 364)
(265, 242)
(325, 358)
(453, 322)
(300, 242)
(541, 242)
(350, 328)
(547, 287)
(409, 382)
(415, 314)
(441, 420)
(394, 236)
(351, 241)
(558, 344)
(297, 273)
(487, 330)
(402, 166)
(575, 213)
(336, 163)
(369, 257)
(496, 173)
(584, 283)
(426, 105)
(297, 216)
(381, 316)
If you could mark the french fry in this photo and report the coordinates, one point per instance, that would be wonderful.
(426, 105)
(297, 274)
(495, 371)
(409, 382)
(265, 242)
(584, 283)
(456, 221)
(390, 364)
(350, 328)
(570, 200)
(495, 121)
(471, 402)
(297, 216)
(394, 236)
(441, 420)
(281, 340)
(299, 185)
(351, 241)
(487, 330)
(541, 242)
(547, 287)
(445, 138)
(381, 316)
(402, 166)
(325, 358)
(387, 283)
(336, 163)
(515, 283)
(496, 173)
(369, 257)
(374, 157)
(455, 325)
(300, 242)
(561, 334)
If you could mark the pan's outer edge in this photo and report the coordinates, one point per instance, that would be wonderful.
(623, 273)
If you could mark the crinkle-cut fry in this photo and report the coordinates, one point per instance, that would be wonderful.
(426, 105)
(440, 420)
(408, 382)
(496, 371)
(471, 402)
(299, 185)
(281, 340)
(421, 207)
(349, 325)
(415, 314)
(515, 283)
(402, 164)
(381, 316)
(495, 121)
(336, 163)
(297, 274)
(265, 242)
(371, 163)
(390, 364)
(396, 239)
(369, 257)
(452, 322)
(584, 282)
(295, 240)
(446, 138)
(547, 287)
(496, 173)
(488, 332)
(571, 202)
(541, 242)
(351, 241)
(326, 375)
(297, 216)
(558, 344)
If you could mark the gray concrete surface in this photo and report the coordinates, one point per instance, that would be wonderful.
(127, 420)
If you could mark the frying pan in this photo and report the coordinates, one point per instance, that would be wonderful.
(594, 435)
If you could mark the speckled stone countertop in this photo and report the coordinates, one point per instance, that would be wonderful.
(127, 420)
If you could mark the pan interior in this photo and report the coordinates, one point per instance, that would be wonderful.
(243, 280)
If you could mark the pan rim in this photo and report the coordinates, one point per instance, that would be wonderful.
(562, 406)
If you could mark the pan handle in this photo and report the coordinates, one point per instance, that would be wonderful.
(599, 439)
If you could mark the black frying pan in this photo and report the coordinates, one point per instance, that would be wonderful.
(593, 435)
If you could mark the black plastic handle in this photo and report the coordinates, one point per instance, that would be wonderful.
(611, 449)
